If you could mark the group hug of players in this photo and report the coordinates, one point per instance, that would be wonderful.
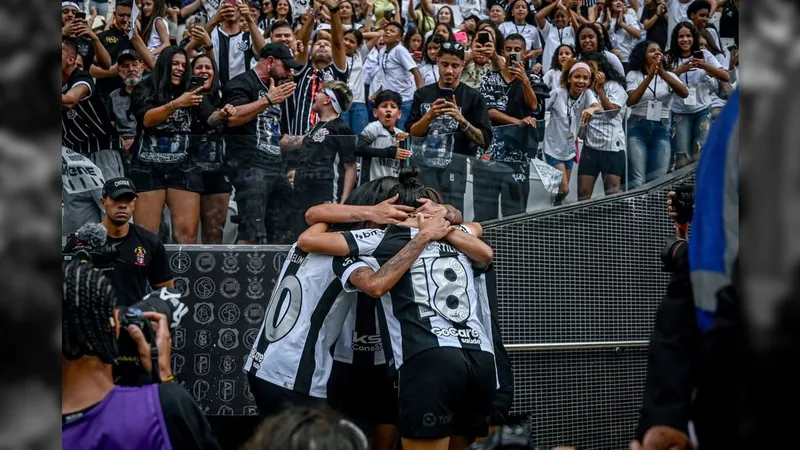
(386, 310)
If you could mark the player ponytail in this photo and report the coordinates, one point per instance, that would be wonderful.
(87, 306)
(410, 188)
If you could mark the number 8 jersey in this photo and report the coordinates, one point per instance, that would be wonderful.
(434, 304)
(301, 322)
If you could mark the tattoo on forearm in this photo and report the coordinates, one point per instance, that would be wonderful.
(355, 218)
(398, 260)
(453, 215)
(475, 135)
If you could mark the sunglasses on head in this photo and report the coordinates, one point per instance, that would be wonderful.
(453, 46)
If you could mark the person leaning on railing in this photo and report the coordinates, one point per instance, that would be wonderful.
(167, 115)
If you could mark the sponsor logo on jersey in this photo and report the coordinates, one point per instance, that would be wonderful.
(367, 343)
(468, 336)
(366, 234)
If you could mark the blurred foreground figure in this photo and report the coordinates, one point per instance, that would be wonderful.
(691, 363)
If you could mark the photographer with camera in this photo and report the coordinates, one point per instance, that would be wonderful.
(95, 413)
(693, 347)
(134, 256)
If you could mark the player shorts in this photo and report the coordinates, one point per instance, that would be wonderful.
(366, 395)
(272, 399)
(445, 392)
(503, 399)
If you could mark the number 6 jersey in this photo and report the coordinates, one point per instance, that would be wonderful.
(434, 304)
(301, 322)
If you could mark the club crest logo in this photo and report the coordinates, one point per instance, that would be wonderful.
(139, 253)
(255, 263)
(255, 290)
(230, 263)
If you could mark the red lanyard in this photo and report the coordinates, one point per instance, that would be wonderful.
(313, 94)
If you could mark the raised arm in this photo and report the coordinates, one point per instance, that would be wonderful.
(478, 251)
(385, 213)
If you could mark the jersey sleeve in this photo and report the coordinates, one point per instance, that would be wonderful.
(363, 242)
(343, 267)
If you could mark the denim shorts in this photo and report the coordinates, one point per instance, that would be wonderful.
(553, 161)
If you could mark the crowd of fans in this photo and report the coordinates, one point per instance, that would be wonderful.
(277, 106)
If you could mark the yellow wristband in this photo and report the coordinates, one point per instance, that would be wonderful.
(169, 379)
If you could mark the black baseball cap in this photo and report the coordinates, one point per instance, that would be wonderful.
(281, 52)
(117, 187)
(128, 54)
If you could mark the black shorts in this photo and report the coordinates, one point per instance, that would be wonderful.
(594, 162)
(272, 399)
(446, 392)
(367, 395)
(503, 399)
(148, 179)
(216, 182)
(264, 203)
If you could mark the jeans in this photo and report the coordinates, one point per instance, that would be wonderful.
(406, 109)
(356, 117)
(648, 150)
(689, 132)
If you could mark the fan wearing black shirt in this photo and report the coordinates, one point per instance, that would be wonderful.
(85, 124)
(142, 257)
(458, 124)
(327, 170)
(655, 21)
(253, 154)
(89, 47)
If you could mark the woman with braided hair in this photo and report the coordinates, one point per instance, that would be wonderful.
(94, 412)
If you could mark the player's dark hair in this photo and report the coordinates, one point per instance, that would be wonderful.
(87, 314)
(368, 194)
(388, 95)
(304, 428)
(410, 188)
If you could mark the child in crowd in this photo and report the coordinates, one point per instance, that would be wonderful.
(378, 144)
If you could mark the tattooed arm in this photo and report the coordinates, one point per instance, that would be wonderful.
(291, 142)
(376, 283)
(384, 213)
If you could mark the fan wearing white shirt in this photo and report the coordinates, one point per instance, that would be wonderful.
(552, 78)
(590, 40)
(522, 23)
(357, 51)
(699, 12)
(691, 116)
(678, 12)
(560, 32)
(624, 30)
(395, 63)
(650, 90)
(428, 67)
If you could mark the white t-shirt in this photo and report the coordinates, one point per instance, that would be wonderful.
(429, 72)
(553, 38)
(605, 131)
(371, 71)
(528, 31)
(677, 14)
(614, 60)
(355, 78)
(658, 90)
(154, 41)
(565, 115)
(621, 39)
(395, 66)
(552, 79)
(699, 80)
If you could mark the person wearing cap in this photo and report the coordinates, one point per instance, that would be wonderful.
(129, 67)
(116, 40)
(142, 259)
(458, 116)
(90, 48)
(327, 166)
(253, 151)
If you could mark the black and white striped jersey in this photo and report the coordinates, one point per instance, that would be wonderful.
(433, 305)
(301, 323)
(486, 288)
(86, 128)
(296, 115)
(360, 341)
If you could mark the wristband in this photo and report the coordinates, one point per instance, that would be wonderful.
(335, 9)
(169, 379)
(209, 48)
